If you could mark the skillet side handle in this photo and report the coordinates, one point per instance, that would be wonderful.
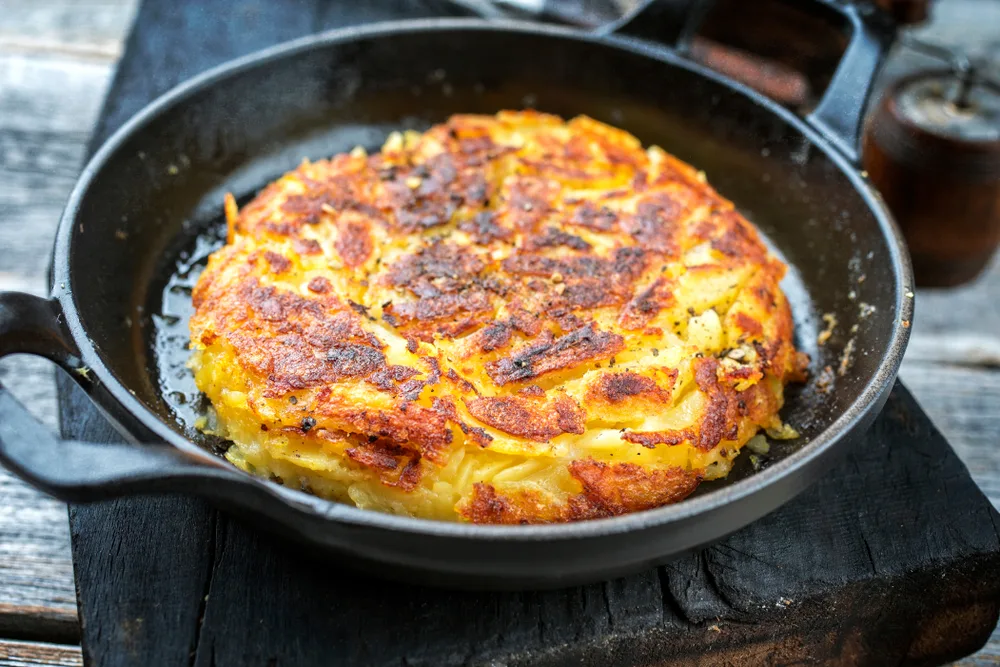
(839, 116)
(69, 470)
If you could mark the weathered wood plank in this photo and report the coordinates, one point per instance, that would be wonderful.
(47, 109)
(37, 597)
(30, 654)
(972, 309)
(956, 349)
(988, 657)
(85, 29)
(48, 104)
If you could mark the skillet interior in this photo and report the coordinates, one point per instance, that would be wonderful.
(164, 185)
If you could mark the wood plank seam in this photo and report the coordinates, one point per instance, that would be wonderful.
(213, 541)
(34, 47)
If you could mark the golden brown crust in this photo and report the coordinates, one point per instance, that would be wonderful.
(552, 354)
(608, 490)
(520, 416)
(617, 387)
(508, 295)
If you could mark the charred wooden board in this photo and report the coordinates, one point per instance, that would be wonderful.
(891, 559)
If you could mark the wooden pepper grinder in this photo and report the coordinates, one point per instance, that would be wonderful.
(932, 148)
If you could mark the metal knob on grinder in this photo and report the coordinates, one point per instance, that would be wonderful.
(932, 148)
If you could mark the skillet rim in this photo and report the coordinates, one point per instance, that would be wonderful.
(872, 395)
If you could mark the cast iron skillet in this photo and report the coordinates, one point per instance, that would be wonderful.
(236, 127)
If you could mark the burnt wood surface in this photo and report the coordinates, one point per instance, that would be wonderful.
(892, 559)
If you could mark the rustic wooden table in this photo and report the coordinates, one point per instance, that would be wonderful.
(56, 59)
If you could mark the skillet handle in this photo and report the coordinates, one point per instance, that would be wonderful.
(839, 116)
(70, 470)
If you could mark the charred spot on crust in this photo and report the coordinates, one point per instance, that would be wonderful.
(446, 407)
(495, 336)
(350, 360)
(527, 202)
(551, 354)
(721, 414)
(306, 246)
(654, 225)
(620, 488)
(738, 240)
(441, 276)
(437, 307)
(650, 439)
(646, 304)
(395, 466)
(354, 243)
(590, 282)
(527, 419)
(463, 384)
(553, 237)
(616, 387)
(319, 285)
(418, 428)
(308, 209)
(748, 324)
(487, 506)
(358, 308)
(279, 263)
(440, 268)
(484, 230)
(344, 192)
(569, 415)
(428, 195)
(601, 219)
(305, 345)
(388, 377)
(373, 457)
(608, 490)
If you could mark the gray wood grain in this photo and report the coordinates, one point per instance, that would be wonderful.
(86, 29)
(959, 326)
(56, 58)
(47, 108)
(29, 654)
(37, 597)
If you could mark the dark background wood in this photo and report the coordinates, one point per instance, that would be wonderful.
(56, 59)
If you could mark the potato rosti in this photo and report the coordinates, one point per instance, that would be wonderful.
(505, 319)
